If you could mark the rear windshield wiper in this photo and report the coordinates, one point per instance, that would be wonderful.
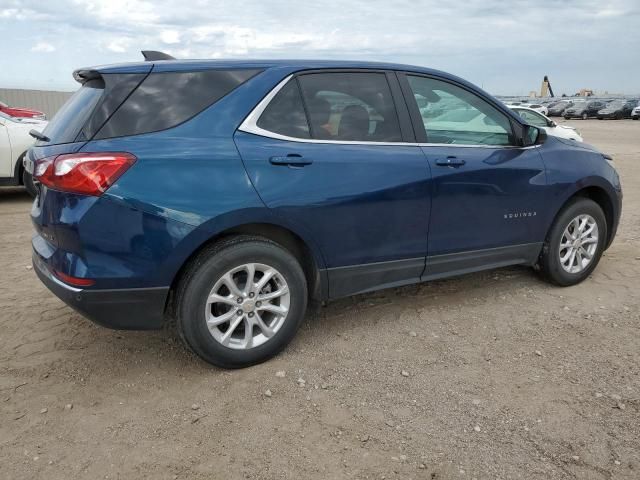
(38, 135)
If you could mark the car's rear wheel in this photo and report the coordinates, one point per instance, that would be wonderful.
(241, 301)
(585, 116)
(575, 243)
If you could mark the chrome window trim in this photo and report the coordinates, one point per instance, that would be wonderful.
(250, 125)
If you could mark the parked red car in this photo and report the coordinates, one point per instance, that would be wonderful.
(21, 112)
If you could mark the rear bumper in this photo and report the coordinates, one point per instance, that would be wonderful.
(122, 309)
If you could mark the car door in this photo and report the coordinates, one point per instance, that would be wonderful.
(488, 203)
(329, 152)
(594, 107)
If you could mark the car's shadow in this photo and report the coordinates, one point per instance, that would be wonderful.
(378, 310)
(11, 194)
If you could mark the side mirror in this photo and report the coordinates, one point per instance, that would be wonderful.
(552, 124)
(534, 136)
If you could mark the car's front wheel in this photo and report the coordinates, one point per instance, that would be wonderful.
(585, 116)
(575, 243)
(241, 301)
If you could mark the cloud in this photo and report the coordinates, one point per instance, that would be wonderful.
(505, 45)
(43, 47)
(170, 37)
(118, 45)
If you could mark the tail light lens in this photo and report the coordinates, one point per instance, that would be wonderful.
(84, 173)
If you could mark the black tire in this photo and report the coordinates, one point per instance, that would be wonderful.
(206, 269)
(549, 262)
(635, 118)
(27, 181)
(585, 116)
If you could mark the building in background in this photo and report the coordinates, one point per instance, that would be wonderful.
(46, 101)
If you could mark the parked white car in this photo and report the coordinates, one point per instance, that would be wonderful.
(14, 143)
(537, 107)
(537, 119)
(635, 113)
(534, 106)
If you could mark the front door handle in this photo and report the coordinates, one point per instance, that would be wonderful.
(450, 162)
(292, 159)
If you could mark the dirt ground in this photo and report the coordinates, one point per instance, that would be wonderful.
(508, 377)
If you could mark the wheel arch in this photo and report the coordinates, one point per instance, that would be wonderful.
(602, 197)
(310, 259)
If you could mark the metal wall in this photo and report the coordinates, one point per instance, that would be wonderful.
(43, 100)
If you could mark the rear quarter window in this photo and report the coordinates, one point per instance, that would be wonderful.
(67, 122)
(165, 100)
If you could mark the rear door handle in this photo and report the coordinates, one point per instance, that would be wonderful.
(450, 162)
(292, 159)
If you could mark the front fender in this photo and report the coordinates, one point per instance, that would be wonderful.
(574, 167)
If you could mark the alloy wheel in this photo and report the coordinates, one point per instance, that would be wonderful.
(247, 306)
(578, 244)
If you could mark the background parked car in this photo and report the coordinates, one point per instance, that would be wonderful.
(532, 117)
(21, 112)
(584, 110)
(557, 109)
(618, 109)
(14, 143)
(538, 107)
(635, 113)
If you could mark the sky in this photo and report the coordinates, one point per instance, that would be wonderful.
(506, 47)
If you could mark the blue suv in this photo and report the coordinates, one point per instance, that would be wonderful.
(228, 195)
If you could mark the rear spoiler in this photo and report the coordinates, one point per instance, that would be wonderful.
(83, 75)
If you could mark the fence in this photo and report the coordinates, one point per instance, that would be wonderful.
(46, 101)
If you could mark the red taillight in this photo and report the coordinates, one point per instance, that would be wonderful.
(84, 173)
(75, 281)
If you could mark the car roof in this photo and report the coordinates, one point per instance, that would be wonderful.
(292, 65)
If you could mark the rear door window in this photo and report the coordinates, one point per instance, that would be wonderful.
(353, 106)
(285, 113)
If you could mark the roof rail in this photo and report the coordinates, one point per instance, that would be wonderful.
(152, 55)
